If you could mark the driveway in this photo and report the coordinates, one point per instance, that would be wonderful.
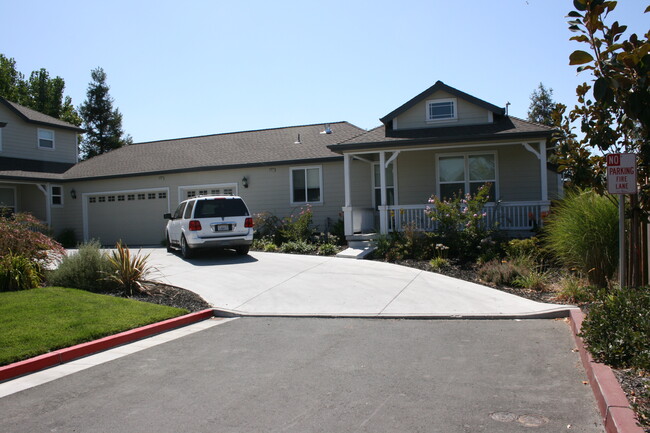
(297, 285)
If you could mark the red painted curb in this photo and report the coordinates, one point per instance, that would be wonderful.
(68, 354)
(617, 415)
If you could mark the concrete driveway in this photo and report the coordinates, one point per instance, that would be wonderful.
(296, 285)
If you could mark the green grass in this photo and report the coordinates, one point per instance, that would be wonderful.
(37, 321)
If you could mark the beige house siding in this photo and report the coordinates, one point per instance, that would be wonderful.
(415, 117)
(20, 140)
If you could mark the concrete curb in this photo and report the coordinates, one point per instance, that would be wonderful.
(617, 415)
(68, 354)
(548, 314)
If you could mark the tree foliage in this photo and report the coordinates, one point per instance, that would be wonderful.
(103, 124)
(39, 92)
(613, 110)
(541, 106)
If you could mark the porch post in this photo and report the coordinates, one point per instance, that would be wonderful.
(347, 208)
(543, 170)
(383, 212)
(45, 189)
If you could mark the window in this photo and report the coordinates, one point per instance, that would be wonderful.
(111, 198)
(45, 139)
(390, 185)
(191, 194)
(130, 197)
(441, 109)
(162, 195)
(466, 173)
(179, 211)
(215, 191)
(151, 196)
(102, 199)
(203, 192)
(306, 185)
(7, 201)
(228, 191)
(56, 195)
(141, 196)
(188, 210)
(92, 200)
(120, 198)
(0, 138)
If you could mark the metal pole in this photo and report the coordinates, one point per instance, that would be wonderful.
(621, 240)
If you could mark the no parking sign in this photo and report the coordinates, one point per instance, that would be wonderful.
(621, 173)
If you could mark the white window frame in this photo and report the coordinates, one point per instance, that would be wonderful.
(38, 139)
(320, 185)
(375, 187)
(454, 117)
(52, 195)
(466, 155)
(15, 191)
(1, 139)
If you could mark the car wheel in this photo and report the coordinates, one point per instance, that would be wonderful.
(186, 251)
(169, 245)
(242, 251)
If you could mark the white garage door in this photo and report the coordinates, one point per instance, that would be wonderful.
(134, 217)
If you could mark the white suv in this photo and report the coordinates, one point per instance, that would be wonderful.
(210, 222)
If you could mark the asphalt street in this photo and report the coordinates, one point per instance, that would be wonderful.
(327, 375)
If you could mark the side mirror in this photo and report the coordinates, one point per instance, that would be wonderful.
(168, 216)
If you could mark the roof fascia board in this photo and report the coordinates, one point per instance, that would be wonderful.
(38, 122)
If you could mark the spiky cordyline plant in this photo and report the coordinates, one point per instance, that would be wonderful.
(129, 272)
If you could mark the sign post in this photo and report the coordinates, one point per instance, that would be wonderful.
(621, 180)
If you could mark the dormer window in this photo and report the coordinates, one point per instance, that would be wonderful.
(441, 109)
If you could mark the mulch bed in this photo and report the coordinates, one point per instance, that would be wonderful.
(171, 296)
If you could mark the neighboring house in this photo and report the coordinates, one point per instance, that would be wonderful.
(439, 142)
(35, 149)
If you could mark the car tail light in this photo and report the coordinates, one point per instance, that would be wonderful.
(248, 223)
(195, 225)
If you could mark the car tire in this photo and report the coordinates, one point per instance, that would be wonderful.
(169, 245)
(186, 251)
(242, 251)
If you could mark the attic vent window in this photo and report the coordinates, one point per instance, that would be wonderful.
(441, 109)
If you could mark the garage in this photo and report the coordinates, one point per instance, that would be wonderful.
(135, 216)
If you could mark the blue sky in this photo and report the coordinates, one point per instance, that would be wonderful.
(179, 69)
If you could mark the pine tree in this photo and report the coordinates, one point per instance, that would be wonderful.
(102, 123)
(541, 106)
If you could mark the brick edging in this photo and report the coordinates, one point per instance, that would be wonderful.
(612, 402)
(68, 354)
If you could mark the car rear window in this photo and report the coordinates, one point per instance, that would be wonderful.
(220, 207)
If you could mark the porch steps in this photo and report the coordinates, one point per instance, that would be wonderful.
(359, 246)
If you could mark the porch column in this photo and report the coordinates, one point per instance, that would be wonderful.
(45, 189)
(383, 212)
(543, 170)
(347, 208)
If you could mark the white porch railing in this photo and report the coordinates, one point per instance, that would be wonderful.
(520, 215)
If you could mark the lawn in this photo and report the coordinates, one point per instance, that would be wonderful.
(37, 321)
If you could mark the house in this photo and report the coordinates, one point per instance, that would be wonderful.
(439, 142)
(35, 150)
(444, 141)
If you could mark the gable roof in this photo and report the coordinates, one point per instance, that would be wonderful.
(264, 147)
(505, 128)
(36, 117)
(438, 87)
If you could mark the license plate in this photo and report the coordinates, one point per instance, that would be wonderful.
(223, 227)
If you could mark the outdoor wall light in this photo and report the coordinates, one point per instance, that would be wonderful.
(73, 194)
(244, 182)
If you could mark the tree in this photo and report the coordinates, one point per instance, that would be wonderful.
(613, 110)
(541, 106)
(39, 92)
(102, 123)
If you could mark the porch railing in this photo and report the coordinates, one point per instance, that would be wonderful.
(505, 215)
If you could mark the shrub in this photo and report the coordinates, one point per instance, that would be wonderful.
(128, 271)
(267, 226)
(532, 279)
(575, 290)
(522, 247)
(617, 328)
(298, 228)
(23, 235)
(461, 221)
(85, 270)
(582, 232)
(500, 272)
(297, 247)
(327, 249)
(67, 238)
(338, 230)
(18, 273)
(438, 263)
